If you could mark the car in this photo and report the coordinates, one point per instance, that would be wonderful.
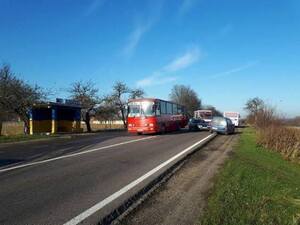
(198, 124)
(222, 125)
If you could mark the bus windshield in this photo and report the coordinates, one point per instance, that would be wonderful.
(206, 115)
(137, 109)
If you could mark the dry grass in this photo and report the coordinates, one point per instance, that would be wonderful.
(281, 139)
(273, 134)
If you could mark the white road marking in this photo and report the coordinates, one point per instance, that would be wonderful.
(74, 154)
(109, 199)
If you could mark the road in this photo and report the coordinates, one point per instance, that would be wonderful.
(183, 198)
(53, 182)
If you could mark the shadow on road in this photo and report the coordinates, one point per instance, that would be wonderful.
(13, 154)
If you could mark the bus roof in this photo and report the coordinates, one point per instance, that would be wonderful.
(230, 112)
(203, 110)
(150, 99)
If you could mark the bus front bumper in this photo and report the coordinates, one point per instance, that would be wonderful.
(142, 130)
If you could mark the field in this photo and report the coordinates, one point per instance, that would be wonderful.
(17, 128)
(257, 186)
(284, 140)
(22, 137)
(275, 134)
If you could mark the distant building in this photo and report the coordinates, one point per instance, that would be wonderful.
(55, 117)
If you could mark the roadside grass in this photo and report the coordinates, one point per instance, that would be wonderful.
(256, 186)
(23, 137)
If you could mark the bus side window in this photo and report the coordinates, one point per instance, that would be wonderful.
(175, 109)
(183, 111)
(163, 107)
(157, 109)
(179, 109)
(169, 108)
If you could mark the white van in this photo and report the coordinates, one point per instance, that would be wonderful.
(234, 117)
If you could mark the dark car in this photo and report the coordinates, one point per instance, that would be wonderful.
(198, 124)
(222, 125)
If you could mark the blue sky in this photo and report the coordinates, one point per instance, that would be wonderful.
(228, 51)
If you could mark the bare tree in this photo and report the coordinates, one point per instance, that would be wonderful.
(136, 93)
(119, 97)
(2, 115)
(86, 94)
(17, 96)
(254, 106)
(6, 116)
(292, 121)
(107, 111)
(187, 97)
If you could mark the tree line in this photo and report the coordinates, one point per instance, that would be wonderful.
(17, 97)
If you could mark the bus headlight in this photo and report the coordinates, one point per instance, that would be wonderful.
(151, 125)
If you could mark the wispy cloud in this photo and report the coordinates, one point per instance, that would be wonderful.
(143, 26)
(134, 39)
(155, 80)
(94, 6)
(165, 74)
(187, 5)
(234, 70)
(189, 58)
(225, 30)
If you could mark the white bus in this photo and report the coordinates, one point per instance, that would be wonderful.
(204, 114)
(234, 117)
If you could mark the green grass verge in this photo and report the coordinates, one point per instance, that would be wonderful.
(17, 138)
(256, 186)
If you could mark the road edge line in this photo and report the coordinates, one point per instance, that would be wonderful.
(121, 209)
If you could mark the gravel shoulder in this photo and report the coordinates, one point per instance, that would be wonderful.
(182, 199)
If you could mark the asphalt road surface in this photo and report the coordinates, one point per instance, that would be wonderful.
(183, 198)
(53, 182)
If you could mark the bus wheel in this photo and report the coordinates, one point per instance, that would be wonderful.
(163, 129)
(177, 127)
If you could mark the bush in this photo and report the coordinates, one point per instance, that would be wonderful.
(273, 134)
(281, 139)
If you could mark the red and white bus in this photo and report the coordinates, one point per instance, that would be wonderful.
(151, 115)
(204, 114)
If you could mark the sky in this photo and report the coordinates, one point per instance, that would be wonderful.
(227, 51)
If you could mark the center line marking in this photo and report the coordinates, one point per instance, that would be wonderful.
(74, 154)
(76, 220)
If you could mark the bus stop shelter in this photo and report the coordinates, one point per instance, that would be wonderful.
(55, 117)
